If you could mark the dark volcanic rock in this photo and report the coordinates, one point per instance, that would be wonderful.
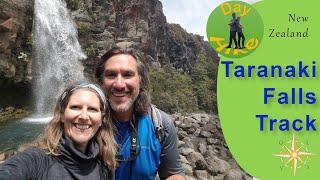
(209, 156)
(141, 25)
(234, 174)
(15, 51)
(15, 41)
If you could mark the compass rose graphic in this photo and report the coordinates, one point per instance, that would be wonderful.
(297, 153)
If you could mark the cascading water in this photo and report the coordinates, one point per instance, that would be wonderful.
(56, 62)
(56, 52)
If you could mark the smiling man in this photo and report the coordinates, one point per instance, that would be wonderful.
(142, 150)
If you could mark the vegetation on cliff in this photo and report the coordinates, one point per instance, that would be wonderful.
(174, 91)
(11, 113)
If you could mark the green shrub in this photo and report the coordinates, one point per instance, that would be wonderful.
(10, 113)
(91, 51)
(29, 40)
(73, 4)
(203, 76)
(172, 90)
(83, 28)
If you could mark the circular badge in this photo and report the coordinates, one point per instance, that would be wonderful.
(234, 29)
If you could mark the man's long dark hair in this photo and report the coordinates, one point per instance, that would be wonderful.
(142, 103)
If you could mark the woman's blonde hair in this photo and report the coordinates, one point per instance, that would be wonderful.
(105, 138)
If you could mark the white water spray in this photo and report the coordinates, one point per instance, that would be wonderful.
(56, 52)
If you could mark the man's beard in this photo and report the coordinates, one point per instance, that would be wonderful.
(123, 107)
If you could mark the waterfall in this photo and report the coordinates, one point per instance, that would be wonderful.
(56, 53)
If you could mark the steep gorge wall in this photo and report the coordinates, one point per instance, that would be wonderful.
(15, 41)
(15, 50)
(140, 24)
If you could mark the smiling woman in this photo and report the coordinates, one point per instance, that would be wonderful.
(78, 142)
(82, 117)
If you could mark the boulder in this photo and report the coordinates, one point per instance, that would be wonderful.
(187, 169)
(205, 134)
(186, 151)
(201, 174)
(234, 174)
(202, 147)
(217, 165)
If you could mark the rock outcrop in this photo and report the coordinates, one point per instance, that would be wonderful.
(203, 150)
(15, 52)
(140, 24)
(15, 41)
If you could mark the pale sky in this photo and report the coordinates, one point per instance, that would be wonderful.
(192, 15)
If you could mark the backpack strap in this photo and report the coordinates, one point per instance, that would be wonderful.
(157, 122)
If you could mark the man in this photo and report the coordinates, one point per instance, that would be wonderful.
(241, 37)
(233, 31)
(141, 155)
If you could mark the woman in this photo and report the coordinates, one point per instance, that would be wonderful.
(241, 37)
(78, 142)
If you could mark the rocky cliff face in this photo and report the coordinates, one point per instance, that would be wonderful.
(15, 51)
(15, 41)
(140, 24)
